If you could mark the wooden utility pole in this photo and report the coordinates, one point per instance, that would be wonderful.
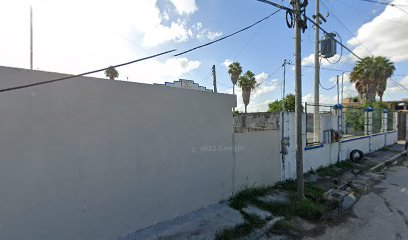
(316, 111)
(214, 78)
(298, 100)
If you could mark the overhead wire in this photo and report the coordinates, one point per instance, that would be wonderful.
(345, 26)
(229, 35)
(397, 6)
(270, 75)
(399, 85)
(384, 3)
(83, 74)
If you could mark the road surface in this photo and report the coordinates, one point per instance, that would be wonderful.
(381, 214)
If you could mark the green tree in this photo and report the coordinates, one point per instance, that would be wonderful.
(355, 117)
(288, 101)
(234, 70)
(247, 83)
(111, 73)
(370, 77)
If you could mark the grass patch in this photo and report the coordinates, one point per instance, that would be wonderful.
(345, 165)
(251, 222)
(304, 208)
(327, 171)
(334, 170)
(285, 226)
(242, 198)
(312, 192)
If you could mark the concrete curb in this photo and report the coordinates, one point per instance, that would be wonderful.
(390, 160)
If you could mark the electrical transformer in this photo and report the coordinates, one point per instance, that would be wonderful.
(328, 46)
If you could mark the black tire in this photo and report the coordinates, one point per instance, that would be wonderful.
(356, 155)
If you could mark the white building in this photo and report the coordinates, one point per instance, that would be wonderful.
(188, 84)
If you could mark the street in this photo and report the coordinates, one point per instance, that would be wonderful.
(381, 214)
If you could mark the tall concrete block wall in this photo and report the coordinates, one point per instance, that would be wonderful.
(90, 159)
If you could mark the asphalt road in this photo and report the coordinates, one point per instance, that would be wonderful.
(381, 214)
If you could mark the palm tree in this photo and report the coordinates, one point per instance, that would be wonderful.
(111, 73)
(386, 69)
(234, 70)
(370, 77)
(247, 82)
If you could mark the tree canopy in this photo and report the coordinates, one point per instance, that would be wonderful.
(111, 73)
(370, 77)
(288, 101)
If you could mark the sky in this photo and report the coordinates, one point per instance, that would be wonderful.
(78, 36)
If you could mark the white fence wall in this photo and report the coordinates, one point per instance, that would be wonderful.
(258, 162)
(328, 153)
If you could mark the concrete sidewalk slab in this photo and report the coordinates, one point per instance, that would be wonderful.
(202, 224)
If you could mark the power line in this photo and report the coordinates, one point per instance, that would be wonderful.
(329, 35)
(271, 75)
(400, 85)
(345, 26)
(328, 89)
(397, 6)
(341, 70)
(384, 3)
(83, 74)
(229, 35)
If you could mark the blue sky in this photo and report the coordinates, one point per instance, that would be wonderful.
(73, 39)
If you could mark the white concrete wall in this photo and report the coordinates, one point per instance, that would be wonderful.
(392, 137)
(326, 154)
(361, 143)
(258, 161)
(377, 141)
(90, 159)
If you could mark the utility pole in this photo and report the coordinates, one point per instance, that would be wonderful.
(31, 37)
(214, 78)
(317, 76)
(298, 100)
(283, 150)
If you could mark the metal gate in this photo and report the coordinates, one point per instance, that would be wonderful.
(402, 126)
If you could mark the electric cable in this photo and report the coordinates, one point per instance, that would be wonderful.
(83, 74)
(384, 3)
(400, 85)
(345, 27)
(329, 35)
(270, 75)
(397, 6)
(229, 35)
(340, 70)
(330, 88)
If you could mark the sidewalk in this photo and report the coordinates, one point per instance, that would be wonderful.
(251, 218)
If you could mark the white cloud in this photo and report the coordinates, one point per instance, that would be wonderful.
(204, 33)
(309, 60)
(177, 31)
(385, 35)
(102, 33)
(185, 6)
(213, 35)
(159, 72)
(227, 62)
(346, 78)
(255, 103)
(395, 88)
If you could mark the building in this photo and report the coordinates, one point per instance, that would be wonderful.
(351, 102)
(188, 84)
(400, 106)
